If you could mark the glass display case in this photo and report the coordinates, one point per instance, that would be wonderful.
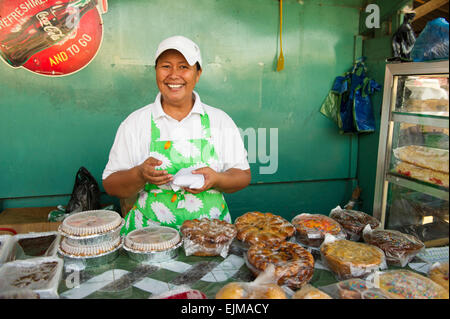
(412, 181)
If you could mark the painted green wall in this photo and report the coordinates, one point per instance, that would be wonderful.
(49, 127)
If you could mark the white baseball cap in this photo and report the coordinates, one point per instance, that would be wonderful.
(185, 46)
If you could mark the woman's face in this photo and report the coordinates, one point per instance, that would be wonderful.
(175, 78)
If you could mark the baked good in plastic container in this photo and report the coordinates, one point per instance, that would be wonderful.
(73, 249)
(6, 248)
(439, 274)
(406, 284)
(348, 259)
(256, 227)
(207, 237)
(263, 287)
(93, 222)
(310, 292)
(312, 228)
(426, 157)
(36, 244)
(40, 274)
(422, 174)
(356, 288)
(399, 248)
(353, 221)
(294, 265)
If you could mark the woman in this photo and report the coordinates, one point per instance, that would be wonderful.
(176, 131)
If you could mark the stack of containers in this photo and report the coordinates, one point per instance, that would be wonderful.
(92, 237)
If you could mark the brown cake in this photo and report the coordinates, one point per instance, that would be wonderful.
(36, 246)
(207, 237)
(257, 227)
(349, 259)
(353, 222)
(311, 229)
(294, 265)
(399, 248)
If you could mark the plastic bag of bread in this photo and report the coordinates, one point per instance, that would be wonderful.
(348, 259)
(294, 265)
(263, 287)
(312, 228)
(399, 248)
(353, 221)
(310, 292)
(356, 288)
(439, 274)
(207, 237)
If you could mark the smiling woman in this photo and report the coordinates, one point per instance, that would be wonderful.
(149, 149)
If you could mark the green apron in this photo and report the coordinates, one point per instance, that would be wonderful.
(169, 208)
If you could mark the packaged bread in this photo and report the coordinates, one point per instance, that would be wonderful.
(406, 284)
(257, 227)
(263, 287)
(439, 274)
(312, 228)
(353, 221)
(348, 259)
(207, 237)
(399, 248)
(310, 292)
(356, 288)
(426, 157)
(294, 265)
(422, 174)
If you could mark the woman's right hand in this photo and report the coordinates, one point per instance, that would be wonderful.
(151, 175)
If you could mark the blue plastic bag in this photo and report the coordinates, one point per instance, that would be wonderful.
(432, 43)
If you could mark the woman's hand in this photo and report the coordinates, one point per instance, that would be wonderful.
(211, 179)
(151, 175)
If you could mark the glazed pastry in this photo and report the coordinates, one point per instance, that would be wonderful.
(236, 290)
(294, 265)
(207, 237)
(257, 227)
(399, 248)
(311, 229)
(409, 285)
(353, 222)
(349, 259)
(310, 292)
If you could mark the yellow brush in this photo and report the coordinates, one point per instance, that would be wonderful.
(280, 63)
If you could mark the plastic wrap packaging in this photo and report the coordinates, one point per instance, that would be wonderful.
(294, 265)
(207, 237)
(405, 284)
(310, 292)
(439, 274)
(153, 244)
(432, 43)
(181, 292)
(94, 222)
(256, 227)
(6, 248)
(348, 259)
(36, 244)
(398, 248)
(353, 221)
(40, 274)
(356, 288)
(263, 287)
(19, 294)
(312, 228)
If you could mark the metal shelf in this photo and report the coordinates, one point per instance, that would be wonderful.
(419, 186)
(421, 119)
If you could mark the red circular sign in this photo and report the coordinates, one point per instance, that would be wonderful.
(50, 37)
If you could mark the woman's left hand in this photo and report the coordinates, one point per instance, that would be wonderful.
(211, 178)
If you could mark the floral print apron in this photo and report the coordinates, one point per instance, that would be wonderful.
(166, 207)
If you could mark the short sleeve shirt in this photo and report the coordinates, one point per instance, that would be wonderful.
(131, 145)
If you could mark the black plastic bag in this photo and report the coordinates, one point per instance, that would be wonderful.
(404, 39)
(85, 193)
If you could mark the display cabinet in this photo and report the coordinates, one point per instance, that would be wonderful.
(412, 179)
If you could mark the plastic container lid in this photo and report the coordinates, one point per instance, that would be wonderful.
(70, 248)
(91, 222)
(153, 238)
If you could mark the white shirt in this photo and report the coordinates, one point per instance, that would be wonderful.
(132, 142)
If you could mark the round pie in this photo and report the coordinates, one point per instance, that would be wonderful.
(91, 223)
(257, 227)
(349, 259)
(153, 238)
(410, 285)
(240, 290)
(439, 274)
(70, 248)
(207, 236)
(399, 248)
(294, 265)
(353, 222)
(311, 229)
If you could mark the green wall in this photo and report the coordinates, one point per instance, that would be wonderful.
(49, 127)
